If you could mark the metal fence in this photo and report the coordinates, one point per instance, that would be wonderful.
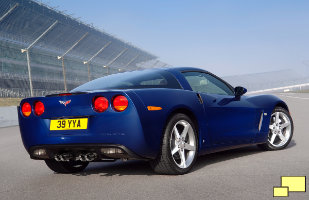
(44, 51)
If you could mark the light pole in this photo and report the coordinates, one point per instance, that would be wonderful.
(62, 60)
(28, 56)
(155, 63)
(131, 61)
(107, 69)
(97, 53)
(113, 60)
(8, 12)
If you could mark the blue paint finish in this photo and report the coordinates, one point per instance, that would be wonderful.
(170, 100)
(230, 121)
(109, 127)
(267, 103)
(223, 121)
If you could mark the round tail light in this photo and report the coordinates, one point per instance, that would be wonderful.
(26, 109)
(120, 103)
(39, 108)
(100, 104)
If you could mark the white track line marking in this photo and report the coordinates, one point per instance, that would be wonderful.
(294, 97)
(280, 88)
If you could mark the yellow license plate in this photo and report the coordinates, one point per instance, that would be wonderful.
(68, 124)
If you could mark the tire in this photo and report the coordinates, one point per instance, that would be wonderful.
(284, 127)
(66, 167)
(184, 147)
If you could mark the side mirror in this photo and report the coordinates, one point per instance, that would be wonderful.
(239, 91)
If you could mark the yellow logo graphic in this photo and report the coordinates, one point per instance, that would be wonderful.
(290, 184)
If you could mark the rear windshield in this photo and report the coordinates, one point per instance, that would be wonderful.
(132, 80)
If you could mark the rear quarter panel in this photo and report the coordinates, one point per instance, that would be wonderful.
(154, 122)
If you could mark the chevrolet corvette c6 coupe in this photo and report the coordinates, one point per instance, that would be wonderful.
(166, 116)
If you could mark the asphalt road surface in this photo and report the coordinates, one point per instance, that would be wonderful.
(247, 173)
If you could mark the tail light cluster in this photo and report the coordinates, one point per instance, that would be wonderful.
(26, 109)
(39, 108)
(119, 103)
(99, 103)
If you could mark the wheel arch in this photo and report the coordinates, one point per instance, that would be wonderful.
(282, 105)
(190, 114)
(162, 163)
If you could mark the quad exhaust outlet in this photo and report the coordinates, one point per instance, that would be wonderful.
(66, 157)
(87, 157)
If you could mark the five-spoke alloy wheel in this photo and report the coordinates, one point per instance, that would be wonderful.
(179, 146)
(182, 144)
(280, 129)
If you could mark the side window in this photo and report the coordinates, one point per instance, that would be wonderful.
(206, 83)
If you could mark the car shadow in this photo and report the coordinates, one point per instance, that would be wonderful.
(213, 158)
(118, 168)
(137, 167)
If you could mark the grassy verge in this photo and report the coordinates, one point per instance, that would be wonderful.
(300, 91)
(10, 101)
(304, 91)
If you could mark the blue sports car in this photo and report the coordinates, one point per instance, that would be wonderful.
(166, 116)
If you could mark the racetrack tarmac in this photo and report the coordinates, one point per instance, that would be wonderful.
(247, 173)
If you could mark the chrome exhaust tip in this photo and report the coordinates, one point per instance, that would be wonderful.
(87, 157)
(66, 157)
(81, 157)
(57, 158)
(90, 157)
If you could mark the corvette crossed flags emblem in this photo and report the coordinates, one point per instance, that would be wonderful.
(65, 103)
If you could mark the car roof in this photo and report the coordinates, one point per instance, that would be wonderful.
(186, 69)
(180, 69)
(174, 69)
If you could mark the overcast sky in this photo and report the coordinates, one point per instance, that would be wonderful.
(226, 37)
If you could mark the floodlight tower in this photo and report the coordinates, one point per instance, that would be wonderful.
(28, 56)
(8, 12)
(113, 60)
(62, 60)
(97, 53)
(131, 61)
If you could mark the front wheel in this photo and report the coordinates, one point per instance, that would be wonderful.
(179, 147)
(66, 167)
(280, 130)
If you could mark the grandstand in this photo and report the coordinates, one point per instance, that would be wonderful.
(60, 51)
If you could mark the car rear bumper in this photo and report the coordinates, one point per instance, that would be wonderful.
(103, 152)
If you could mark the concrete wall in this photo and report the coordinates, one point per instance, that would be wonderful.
(8, 116)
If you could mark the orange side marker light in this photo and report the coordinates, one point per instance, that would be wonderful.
(151, 108)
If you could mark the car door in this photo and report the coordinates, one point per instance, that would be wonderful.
(229, 120)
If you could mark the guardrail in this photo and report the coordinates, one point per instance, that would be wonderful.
(282, 89)
(23, 93)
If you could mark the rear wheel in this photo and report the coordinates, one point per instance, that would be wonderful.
(179, 147)
(66, 167)
(280, 130)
